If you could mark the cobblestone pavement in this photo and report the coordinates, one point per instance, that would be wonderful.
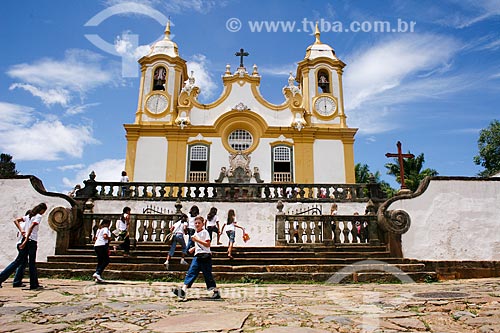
(124, 306)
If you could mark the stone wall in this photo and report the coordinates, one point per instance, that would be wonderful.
(16, 197)
(455, 218)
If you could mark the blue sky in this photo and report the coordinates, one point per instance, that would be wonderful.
(64, 96)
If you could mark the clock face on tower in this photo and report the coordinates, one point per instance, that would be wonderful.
(325, 106)
(157, 103)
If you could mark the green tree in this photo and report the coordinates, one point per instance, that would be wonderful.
(362, 174)
(7, 167)
(413, 171)
(489, 149)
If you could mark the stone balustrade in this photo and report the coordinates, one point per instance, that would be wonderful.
(228, 192)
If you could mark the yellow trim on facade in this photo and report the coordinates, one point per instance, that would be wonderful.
(304, 160)
(176, 158)
(258, 97)
(217, 102)
(132, 138)
(350, 175)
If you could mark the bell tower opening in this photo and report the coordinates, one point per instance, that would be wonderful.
(323, 82)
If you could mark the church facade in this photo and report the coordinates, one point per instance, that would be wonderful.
(240, 137)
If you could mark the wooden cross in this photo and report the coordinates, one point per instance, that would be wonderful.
(241, 54)
(400, 157)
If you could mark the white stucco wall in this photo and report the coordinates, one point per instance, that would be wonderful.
(329, 162)
(257, 218)
(151, 159)
(16, 197)
(453, 220)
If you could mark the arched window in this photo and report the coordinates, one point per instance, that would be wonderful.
(198, 163)
(323, 82)
(282, 164)
(159, 78)
(240, 140)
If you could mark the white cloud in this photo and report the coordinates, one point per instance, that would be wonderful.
(107, 170)
(280, 70)
(55, 80)
(474, 11)
(14, 115)
(77, 109)
(384, 66)
(174, 6)
(71, 167)
(199, 65)
(404, 69)
(48, 96)
(49, 139)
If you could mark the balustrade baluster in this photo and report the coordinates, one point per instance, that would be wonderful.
(141, 230)
(345, 231)
(317, 232)
(149, 229)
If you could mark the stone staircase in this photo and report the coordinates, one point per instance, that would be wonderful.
(301, 263)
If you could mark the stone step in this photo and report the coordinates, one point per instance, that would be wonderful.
(236, 261)
(155, 246)
(176, 266)
(250, 254)
(243, 276)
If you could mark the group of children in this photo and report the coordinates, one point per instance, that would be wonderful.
(199, 231)
(27, 246)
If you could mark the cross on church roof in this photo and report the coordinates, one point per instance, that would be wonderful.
(400, 157)
(241, 54)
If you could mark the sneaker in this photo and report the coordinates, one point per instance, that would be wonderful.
(39, 287)
(97, 277)
(21, 285)
(215, 295)
(179, 293)
(166, 264)
(183, 262)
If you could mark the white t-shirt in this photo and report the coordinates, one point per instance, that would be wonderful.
(204, 236)
(122, 225)
(190, 223)
(36, 221)
(212, 222)
(179, 227)
(124, 179)
(100, 241)
(22, 224)
(231, 227)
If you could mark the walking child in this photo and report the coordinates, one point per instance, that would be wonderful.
(123, 225)
(28, 247)
(231, 226)
(202, 261)
(20, 223)
(178, 229)
(193, 213)
(101, 248)
(212, 224)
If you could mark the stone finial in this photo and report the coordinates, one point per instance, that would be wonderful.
(280, 207)
(291, 80)
(255, 71)
(228, 70)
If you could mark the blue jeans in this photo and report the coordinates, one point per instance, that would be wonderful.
(32, 248)
(204, 265)
(102, 257)
(231, 234)
(179, 238)
(21, 259)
